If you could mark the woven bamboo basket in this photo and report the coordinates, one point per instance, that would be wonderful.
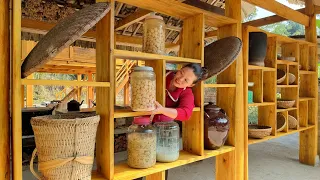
(292, 78)
(259, 132)
(281, 76)
(292, 122)
(65, 145)
(281, 122)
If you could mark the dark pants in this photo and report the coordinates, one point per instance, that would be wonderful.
(166, 178)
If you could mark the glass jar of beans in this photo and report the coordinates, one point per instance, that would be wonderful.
(143, 86)
(154, 32)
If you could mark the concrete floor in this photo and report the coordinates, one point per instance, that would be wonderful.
(274, 159)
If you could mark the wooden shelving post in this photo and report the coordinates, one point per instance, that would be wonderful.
(5, 91)
(309, 138)
(105, 95)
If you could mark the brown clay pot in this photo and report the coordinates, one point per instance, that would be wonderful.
(216, 127)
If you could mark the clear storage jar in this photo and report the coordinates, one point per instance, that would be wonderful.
(154, 32)
(143, 86)
(142, 140)
(168, 141)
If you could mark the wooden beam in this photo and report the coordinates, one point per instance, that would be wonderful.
(90, 91)
(211, 34)
(16, 89)
(205, 6)
(317, 9)
(137, 16)
(5, 91)
(268, 20)
(105, 96)
(30, 92)
(281, 10)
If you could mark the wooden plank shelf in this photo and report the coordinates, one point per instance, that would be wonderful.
(120, 113)
(123, 171)
(288, 109)
(262, 104)
(279, 134)
(306, 98)
(123, 54)
(218, 85)
(63, 83)
(253, 67)
(307, 72)
(287, 86)
(286, 62)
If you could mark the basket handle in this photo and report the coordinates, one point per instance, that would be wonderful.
(34, 154)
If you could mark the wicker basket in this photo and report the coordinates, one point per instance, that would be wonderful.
(281, 76)
(281, 122)
(65, 145)
(281, 103)
(292, 122)
(259, 132)
(292, 78)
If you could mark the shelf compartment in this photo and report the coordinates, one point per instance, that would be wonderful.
(269, 86)
(218, 85)
(286, 62)
(288, 109)
(313, 59)
(63, 83)
(262, 104)
(253, 67)
(303, 113)
(123, 54)
(256, 76)
(279, 134)
(306, 98)
(307, 72)
(123, 171)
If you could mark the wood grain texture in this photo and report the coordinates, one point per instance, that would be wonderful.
(256, 76)
(281, 10)
(157, 176)
(105, 96)
(4, 91)
(192, 46)
(304, 56)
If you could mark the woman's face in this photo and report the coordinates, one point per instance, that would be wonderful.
(184, 78)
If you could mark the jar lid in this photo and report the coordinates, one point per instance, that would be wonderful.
(141, 120)
(143, 68)
(153, 16)
(211, 106)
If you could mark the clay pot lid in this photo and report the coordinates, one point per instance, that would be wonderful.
(63, 35)
(220, 54)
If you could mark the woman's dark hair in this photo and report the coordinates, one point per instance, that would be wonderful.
(200, 72)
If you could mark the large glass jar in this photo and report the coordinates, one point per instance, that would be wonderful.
(167, 141)
(154, 32)
(142, 142)
(143, 84)
(216, 127)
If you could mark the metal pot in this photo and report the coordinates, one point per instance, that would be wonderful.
(216, 126)
(74, 105)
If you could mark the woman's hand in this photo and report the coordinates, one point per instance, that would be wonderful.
(159, 108)
(170, 112)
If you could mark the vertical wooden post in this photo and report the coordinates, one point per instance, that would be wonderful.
(309, 138)
(231, 165)
(16, 90)
(193, 47)
(4, 91)
(30, 92)
(126, 88)
(105, 95)
(89, 91)
(79, 89)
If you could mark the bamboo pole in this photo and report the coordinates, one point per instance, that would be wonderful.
(4, 91)
(16, 90)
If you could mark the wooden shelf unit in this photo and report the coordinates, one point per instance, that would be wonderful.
(265, 90)
(229, 91)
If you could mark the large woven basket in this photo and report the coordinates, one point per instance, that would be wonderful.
(258, 131)
(65, 145)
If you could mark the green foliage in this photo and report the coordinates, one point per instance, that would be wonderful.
(212, 80)
(287, 28)
(253, 115)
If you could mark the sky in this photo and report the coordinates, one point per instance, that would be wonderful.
(261, 13)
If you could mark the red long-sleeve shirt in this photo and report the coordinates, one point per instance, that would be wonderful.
(180, 99)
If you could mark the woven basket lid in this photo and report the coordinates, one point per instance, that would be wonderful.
(220, 54)
(63, 35)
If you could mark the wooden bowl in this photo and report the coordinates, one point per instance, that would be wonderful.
(283, 103)
(281, 76)
(281, 122)
(292, 122)
(259, 132)
(292, 78)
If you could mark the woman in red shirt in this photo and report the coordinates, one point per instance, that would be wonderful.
(179, 96)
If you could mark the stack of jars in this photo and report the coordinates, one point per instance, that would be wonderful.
(149, 143)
